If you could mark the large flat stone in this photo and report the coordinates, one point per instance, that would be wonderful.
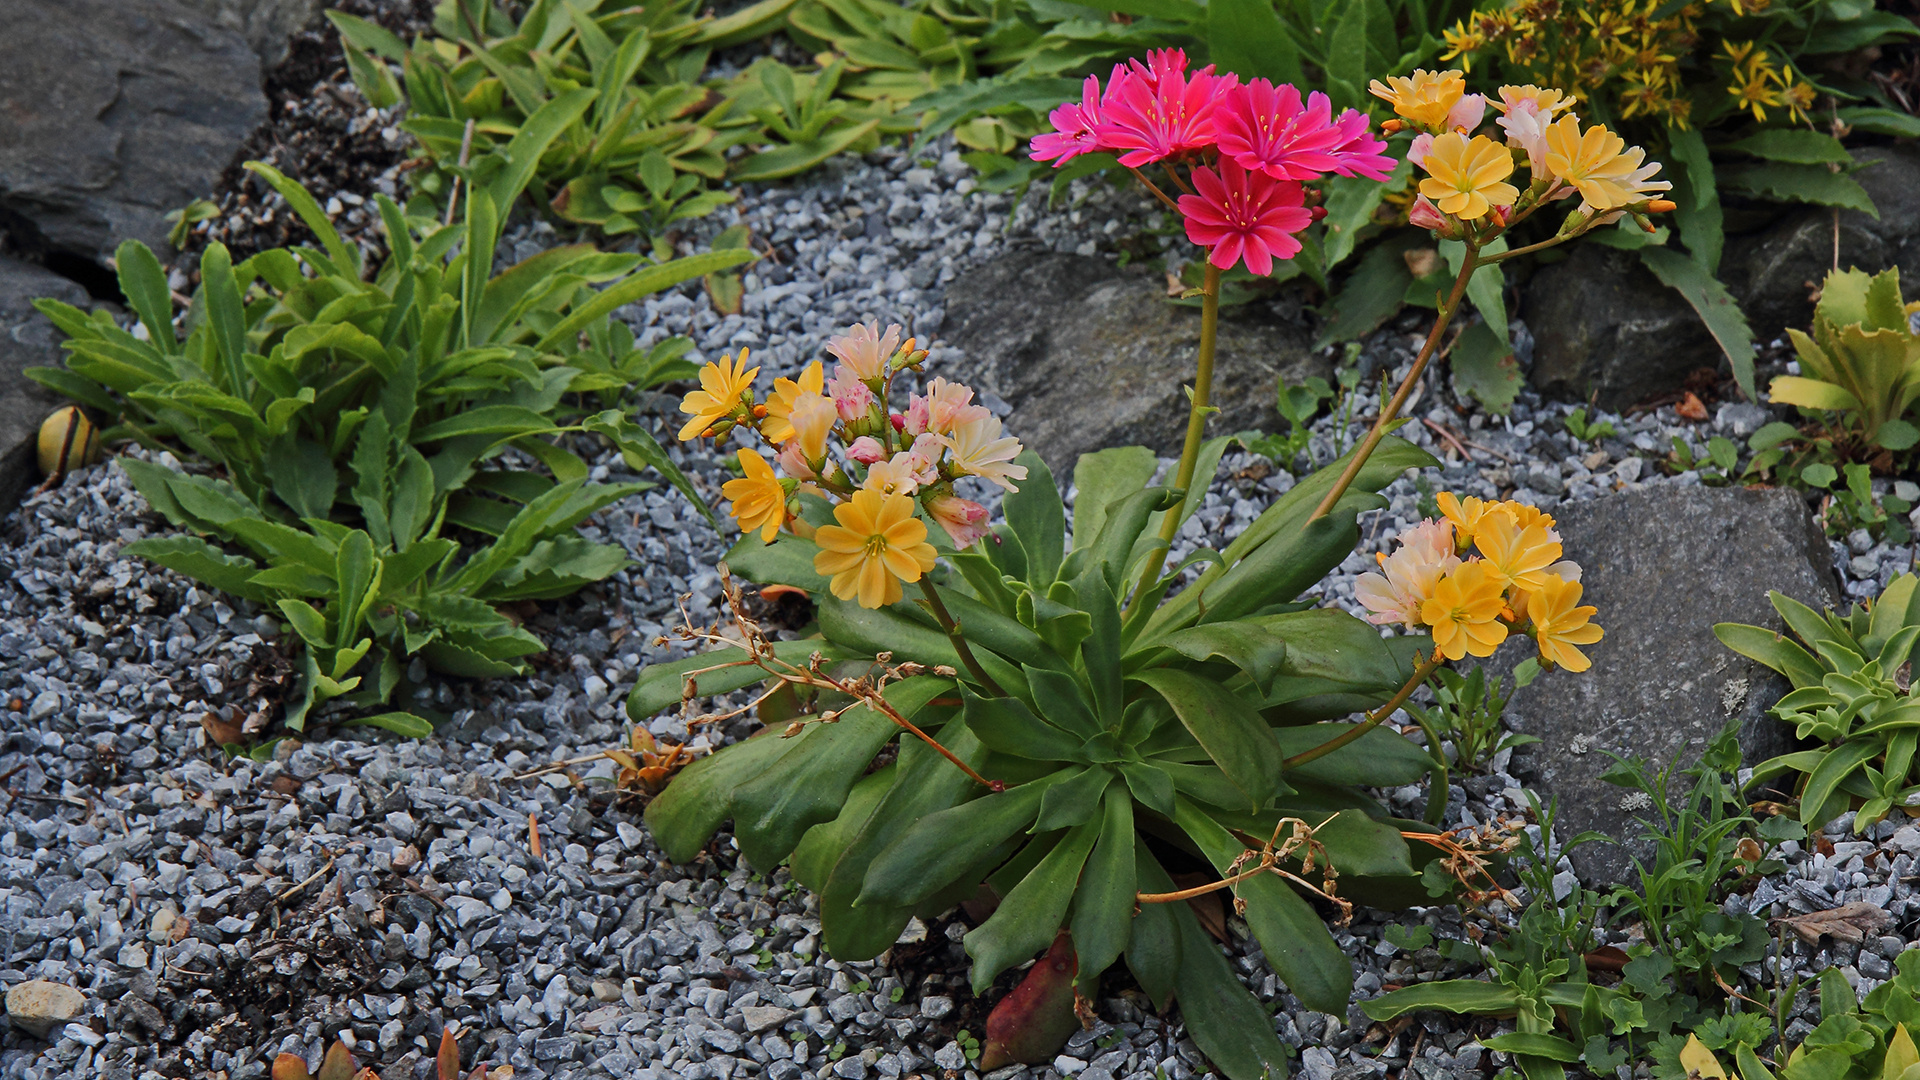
(1091, 355)
(1663, 564)
(266, 24)
(27, 340)
(112, 113)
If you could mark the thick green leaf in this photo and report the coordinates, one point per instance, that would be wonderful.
(1824, 781)
(201, 561)
(934, 850)
(1380, 758)
(1801, 183)
(400, 723)
(1793, 146)
(1247, 645)
(927, 783)
(1774, 650)
(1292, 934)
(808, 785)
(791, 158)
(1697, 197)
(1029, 917)
(1232, 733)
(1103, 907)
(1484, 367)
(1538, 1044)
(686, 815)
(1226, 1022)
(1039, 519)
(641, 450)
(663, 685)
(1470, 996)
(1007, 726)
(145, 286)
(1073, 801)
(1153, 945)
(644, 283)
(813, 858)
(1101, 479)
(1247, 38)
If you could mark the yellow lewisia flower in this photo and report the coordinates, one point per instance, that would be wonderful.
(1596, 163)
(876, 545)
(721, 387)
(1464, 612)
(811, 417)
(1559, 623)
(1465, 515)
(1425, 97)
(1516, 555)
(778, 428)
(1468, 178)
(759, 502)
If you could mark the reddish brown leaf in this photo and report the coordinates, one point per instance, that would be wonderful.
(290, 1067)
(533, 836)
(1691, 408)
(220, 732)
(448, 1059)
(1032, 1023)
(1606, 958)
(338, 1064)
(1848, 922)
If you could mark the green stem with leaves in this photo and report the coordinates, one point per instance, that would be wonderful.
(1468, 263)
(1197, 412)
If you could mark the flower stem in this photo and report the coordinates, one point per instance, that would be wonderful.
(1421, 673)
(947, 623)
(1196, 420)
(1468, 263)
(1157, 193)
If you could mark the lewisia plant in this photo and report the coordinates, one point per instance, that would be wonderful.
(1041, 714)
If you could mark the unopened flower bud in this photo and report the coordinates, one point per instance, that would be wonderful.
(1393, 126)
(899, 422)
(1316, 213)
(1662, 206)
(866, 450)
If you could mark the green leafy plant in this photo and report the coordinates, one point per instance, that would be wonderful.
(1855, 1039)
(1587, 430)
(1852, 505)
(1716, 467)
(1297, 405)
(1852, 694)
(1862, 360)
(358, 432)
(1466, 712)
(1702, 848)
(1119, 742)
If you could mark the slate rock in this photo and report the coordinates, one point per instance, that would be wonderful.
(1663, 564)
(27, 339)
(39, 1006)
(1604, 326)
(265, 24)
(1092, 355)
(112, 113)
(1774, 271)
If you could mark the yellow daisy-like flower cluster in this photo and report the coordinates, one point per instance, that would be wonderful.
(1481, 572)
(1468, 190)
(1631, 55)
(838, 439)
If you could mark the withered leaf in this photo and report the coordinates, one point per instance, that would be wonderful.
(1848, 922)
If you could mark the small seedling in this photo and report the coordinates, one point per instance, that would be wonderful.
(1587, 430)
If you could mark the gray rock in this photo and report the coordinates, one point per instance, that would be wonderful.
(27, 340)
(40, 1006)
(1091, 355)
(1663, 565)
(266, 24)
(113, 112)
(1774, 270)
(1605, 327)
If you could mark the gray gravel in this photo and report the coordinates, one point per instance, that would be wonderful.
(216, 912)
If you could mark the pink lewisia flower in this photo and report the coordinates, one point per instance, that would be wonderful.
(1241, 214)
(1265, 127)
(1426, 553)
(1154, 111)
(1467, 112)
(1073, 127)
(1425, 215)
(866, 450)
(964, 520)
(865, 350)
(850, 396)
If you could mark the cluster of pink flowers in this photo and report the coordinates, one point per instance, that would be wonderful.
(1249, 146)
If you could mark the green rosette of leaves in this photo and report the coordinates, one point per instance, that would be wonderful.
(1120, 745)
(348, 438)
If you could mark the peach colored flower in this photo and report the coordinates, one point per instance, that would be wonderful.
(876, 545)
(979, 449)
(775, 429)
(759, 501)
(965, 521)
(865, 350)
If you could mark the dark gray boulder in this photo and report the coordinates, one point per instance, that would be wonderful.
(1091, 355)
(266, 24)
(1774, 271)
(27, 340)
(1604, 327)
(112, 113)
(1663, 564)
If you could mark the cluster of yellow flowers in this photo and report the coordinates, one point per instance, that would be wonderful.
(1466, 186)
(1479, 573)
(838, 439)
(1627, 53)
